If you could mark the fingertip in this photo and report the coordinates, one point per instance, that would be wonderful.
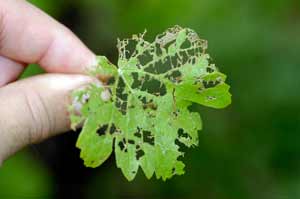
(90, 63)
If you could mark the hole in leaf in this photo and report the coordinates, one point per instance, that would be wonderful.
(137, 82)
(145, 58)
(175, 76)
(131, 141)
(181, 133)
(140, 153)
(121, 102)
(158, 50)
(148, 138)
(210, 84)
(175, 61)
(130, 48)
(209, 70)
(154, 86)
(138, 134)
(102, 130)
(182, 147)
(111, 81)
(112, 129)
(211, 97)
(167, 44)
(173, 170)
(121, 145)
(186, 44)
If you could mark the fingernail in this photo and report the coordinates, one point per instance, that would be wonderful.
(91, 64)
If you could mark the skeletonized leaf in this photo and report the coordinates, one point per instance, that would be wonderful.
(148, 113)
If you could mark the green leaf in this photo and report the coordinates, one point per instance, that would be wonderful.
(148, 114)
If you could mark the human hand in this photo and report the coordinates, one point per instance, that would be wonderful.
(34, 109)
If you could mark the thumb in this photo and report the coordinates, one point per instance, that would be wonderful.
(34, 109)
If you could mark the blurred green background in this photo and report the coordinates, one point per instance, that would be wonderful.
(248, 150)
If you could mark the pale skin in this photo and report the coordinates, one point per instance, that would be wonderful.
(34, 109)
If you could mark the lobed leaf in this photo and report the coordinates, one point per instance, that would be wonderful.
(148, 115)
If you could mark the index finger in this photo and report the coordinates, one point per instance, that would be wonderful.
(28, 35)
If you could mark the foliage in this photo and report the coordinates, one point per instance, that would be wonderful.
(147, 117)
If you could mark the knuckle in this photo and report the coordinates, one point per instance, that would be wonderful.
(38, 113)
